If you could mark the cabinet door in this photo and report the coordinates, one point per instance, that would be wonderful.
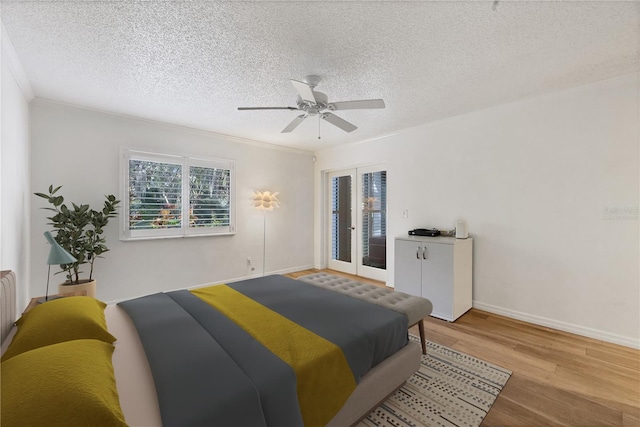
(437, 278)
(408, 265)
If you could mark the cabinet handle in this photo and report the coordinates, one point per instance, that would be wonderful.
(418, 253)
(424, 253)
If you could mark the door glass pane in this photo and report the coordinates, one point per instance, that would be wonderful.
(341, 218)
(374, 219)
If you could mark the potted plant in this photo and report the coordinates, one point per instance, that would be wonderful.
(79, 231)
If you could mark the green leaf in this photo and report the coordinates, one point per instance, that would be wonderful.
(79, 229)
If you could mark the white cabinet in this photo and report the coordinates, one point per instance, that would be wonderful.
(436, 268)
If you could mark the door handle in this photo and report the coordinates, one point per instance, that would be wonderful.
(424, 253)
(418, 253)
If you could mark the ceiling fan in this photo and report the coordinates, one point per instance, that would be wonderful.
(317, 104)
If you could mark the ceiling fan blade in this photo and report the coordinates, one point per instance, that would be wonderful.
(294, 124)
(357, 105)
(304, 90)
(268, 108)
(337, 121)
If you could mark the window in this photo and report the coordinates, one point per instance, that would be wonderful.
(173, 196)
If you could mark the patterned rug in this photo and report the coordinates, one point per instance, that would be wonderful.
(449, 389)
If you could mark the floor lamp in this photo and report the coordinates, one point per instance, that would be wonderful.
(265, 201)
(57, 256)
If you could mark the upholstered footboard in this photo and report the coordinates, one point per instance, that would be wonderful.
(415, 308)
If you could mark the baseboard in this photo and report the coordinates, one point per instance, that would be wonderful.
(259, 274)
(562, 326)
(292, 270)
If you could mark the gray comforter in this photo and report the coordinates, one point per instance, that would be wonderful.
(208, 371)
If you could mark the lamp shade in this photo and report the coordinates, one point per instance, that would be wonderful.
(57, 255)
(266, 200)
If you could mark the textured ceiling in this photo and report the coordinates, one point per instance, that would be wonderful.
(194, 63)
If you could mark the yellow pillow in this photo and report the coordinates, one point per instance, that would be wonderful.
(59, 320)
(65, 384)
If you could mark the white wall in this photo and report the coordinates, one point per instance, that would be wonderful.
(14, 175)
(79, 149)
(549, 189)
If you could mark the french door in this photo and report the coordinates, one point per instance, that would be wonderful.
(357, 221)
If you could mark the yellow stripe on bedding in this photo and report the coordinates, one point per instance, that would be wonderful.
(324, 379)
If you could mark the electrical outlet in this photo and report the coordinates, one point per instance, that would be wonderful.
(249, 261)
(405, 213)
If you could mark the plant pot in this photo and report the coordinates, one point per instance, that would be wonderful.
(85, 287)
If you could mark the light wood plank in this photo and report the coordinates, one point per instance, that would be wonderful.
(562, 406)
(622, 358)
(630, 421)
(508, 411)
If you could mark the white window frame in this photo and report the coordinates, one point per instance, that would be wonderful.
(184, 230)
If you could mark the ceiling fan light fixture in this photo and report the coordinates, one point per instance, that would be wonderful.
(312, 80)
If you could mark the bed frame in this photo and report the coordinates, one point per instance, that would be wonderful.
(135, 384)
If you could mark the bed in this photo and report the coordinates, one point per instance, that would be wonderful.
(138, 397)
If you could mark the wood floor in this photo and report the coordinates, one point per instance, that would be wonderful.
(559, 379)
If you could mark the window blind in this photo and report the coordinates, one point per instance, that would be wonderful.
(374, 214)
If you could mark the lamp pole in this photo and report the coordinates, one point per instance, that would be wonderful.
(264, 241)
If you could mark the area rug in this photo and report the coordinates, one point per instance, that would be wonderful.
(449, 389)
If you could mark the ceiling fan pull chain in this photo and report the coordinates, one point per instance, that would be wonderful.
(319, 126)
